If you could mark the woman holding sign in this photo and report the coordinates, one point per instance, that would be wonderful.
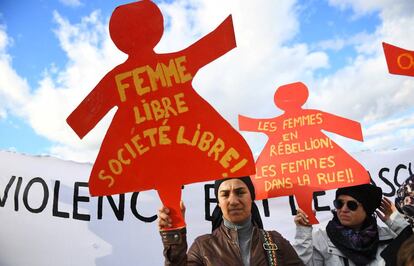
(237, 236)
(352, 237)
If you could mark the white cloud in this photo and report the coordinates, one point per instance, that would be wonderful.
(360, 7)
(363, 89)
(389, 8)
(391, 125)
(3, 114)
(14, 90)
(4, 40)
(241, 82)
(359, 41)
(333, 44)
(71, 3)
(244, 80)
(228, 84)
(91, 55)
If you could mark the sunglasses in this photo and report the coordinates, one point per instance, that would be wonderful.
(351, 204)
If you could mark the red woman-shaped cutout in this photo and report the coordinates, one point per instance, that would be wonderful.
(299, 158)
(163, 134)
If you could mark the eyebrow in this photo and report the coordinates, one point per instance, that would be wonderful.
(236, 189)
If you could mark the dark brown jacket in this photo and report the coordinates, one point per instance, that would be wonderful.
(222, 248)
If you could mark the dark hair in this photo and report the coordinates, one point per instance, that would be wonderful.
(405, 254)
(217, 216)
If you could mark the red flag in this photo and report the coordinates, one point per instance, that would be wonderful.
(399, 61)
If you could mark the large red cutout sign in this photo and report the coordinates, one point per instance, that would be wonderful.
(299, 158)
(163, 134)
(399, 61)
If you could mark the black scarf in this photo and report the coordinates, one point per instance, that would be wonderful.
(360, 246)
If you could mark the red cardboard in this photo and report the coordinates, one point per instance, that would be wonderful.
(163, 134)
(299, 158)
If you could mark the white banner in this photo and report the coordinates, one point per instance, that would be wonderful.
(48, 218)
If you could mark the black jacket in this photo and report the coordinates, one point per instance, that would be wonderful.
(390, 252)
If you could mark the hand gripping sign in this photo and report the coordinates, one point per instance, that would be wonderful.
(299, 158)
(399, 61)
(163, 134)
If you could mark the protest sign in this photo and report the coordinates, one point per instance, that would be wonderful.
(49, 218)
(299, 158)
(163, 134)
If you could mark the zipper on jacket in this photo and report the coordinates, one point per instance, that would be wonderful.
(235, 241)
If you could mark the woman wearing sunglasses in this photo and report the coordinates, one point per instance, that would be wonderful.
(352, 237)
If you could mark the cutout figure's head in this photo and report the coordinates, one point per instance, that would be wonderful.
(291, 96)
(136, 27)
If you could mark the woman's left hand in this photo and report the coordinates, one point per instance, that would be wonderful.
(385, 210)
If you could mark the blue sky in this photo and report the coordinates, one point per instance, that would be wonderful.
(333, 46)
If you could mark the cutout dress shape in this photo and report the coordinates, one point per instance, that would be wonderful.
(163, 134)
(299, 159)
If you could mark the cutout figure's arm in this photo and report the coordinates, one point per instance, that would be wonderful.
(257, 124)
(248, 124)
(92, 109)
(342, 126)
(211, 46)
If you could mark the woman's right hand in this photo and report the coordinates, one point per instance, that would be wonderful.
(386, 209)
(164, 219)
(301, 218)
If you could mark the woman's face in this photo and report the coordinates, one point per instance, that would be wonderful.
(235, 201)
(353, 219)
